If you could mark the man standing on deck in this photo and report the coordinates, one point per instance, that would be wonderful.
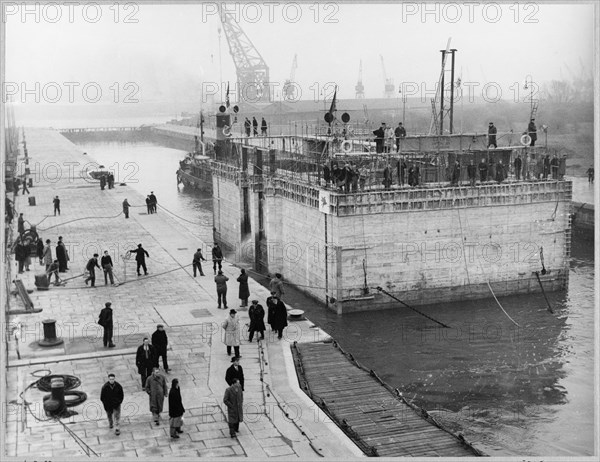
(379, 138)
(107, 266)
(492, 130)
(472, 173)
(554, 167)
(247, 126)
(160, 343)
(263, 127)
(106, 321)
(455, 178)
(400, 133)
(140, 258)
(254, 126)
(148, 205)
(56, 202)
(532, 132)
(518, 163)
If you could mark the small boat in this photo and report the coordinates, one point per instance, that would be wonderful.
(195, 170)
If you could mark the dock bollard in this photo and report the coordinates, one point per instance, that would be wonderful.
(54, 404)
(50, 338)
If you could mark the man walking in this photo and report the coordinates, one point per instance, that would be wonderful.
(153, 201)
(25, 188)
(62, 255)
(148, 205)
(111, 397)
(276, 285)
(176, 409)
(106, 321)
(231, 328)
(126, 208)
(145, 360)
(160, 342)
(56, 202)
(532, 132)
(156, 387)
(279, 316)
(235, 372)
(234, 400)
(221, 282)
(47, 255)
(140, 258)
(91, 266)
(217, 257)
(197, 262)
(257, 321)
(107, 266)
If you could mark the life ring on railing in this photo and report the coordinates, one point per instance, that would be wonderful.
(526, 140)
(347, 146)
(227, 130)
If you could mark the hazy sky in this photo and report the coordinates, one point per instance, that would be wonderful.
(175, 47)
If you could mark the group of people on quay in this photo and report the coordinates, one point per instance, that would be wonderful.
(251, 127)
(153, 380)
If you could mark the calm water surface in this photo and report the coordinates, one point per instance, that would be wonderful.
(526, 390)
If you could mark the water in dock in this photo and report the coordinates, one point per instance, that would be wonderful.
(512, 391)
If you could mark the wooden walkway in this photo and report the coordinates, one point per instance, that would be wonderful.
(370, 412)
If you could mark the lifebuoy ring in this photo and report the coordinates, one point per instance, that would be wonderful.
(347, 146)
(227, 130)
(526, 140)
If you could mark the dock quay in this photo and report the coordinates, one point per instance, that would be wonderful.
(375, 416)
(280, 421)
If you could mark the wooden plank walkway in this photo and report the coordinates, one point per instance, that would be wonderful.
(379, 421)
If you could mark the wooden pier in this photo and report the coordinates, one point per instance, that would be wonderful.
(375, 416)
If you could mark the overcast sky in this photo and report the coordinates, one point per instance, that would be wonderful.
(170, 47)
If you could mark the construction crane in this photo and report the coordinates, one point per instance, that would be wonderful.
(289, 87)
(252, 71)
(360, 88)
(388, 83)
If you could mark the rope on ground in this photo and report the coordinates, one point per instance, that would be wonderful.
(494, 295)
(79, 219)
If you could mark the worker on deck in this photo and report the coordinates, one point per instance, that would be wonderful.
(532, 132)
(379, 138)
(263, 127)
(518, 164)
(492, 130)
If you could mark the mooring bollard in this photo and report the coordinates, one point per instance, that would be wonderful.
(50, 338)
(54, 404)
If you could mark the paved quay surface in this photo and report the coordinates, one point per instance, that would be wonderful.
(280, 420)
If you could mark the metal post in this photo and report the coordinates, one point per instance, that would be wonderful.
(453, 50)
(326, 266)
(442, 95)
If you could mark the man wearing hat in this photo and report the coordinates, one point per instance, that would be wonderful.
(160, 342)
(235, 371)
(231, 328)
(153, 202)
(532, 132)
(106, 321)
(492, 135)
(257, 321)
(277, 315)
(221, 282)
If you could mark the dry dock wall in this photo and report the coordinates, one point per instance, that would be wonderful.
(423, 246)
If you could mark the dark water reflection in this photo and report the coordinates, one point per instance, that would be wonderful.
(513, 390)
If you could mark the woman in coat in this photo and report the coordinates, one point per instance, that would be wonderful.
(176, 409)
(231, 328)
(234, 400)
(244, 293)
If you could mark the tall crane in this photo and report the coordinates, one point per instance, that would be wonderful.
(252, 71)
(360, 88)
(289, 87)
(388, 83)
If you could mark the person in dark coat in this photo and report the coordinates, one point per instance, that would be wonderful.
(111, 396)
(56, 202)
(106, 321)
(62, 255)
(235, 372)
(326, 174)
(257, 321)
(40, 250)
(562, 167)
(263, 127)
(156, 387)
(160, 343)
(254, 126)
(492, 130)
(483, 170)
(472, 173)
(234, 400)
(492, 170)
(21, 255)
(244, 292)
(500, 173)
(145, 360)
(126, 208)
(107, 265)
(399, 133)
(176, 409)
(278, 316)
(276, 285)
(153, 201)
(518, 163)
(379, 138)
(401, 172)
(148, 205)
(413, 175)
(546, 166)
(455, 178)
(140, 258)
(197, 262)
(387, 176)
(102, 182)
(91, 266)
(21, 224)
(247, 126)
(532, 132)
(217, 257)
(554, 167)
(221, 283)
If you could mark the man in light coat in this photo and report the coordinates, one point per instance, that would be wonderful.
(231, 328)
(156, 387)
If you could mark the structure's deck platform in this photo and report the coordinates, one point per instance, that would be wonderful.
(378, 420)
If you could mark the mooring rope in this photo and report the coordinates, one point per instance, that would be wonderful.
(414, 309)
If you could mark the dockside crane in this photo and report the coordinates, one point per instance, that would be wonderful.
(388, 83)
(251, 69)
(360, 88)
(289, 87)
